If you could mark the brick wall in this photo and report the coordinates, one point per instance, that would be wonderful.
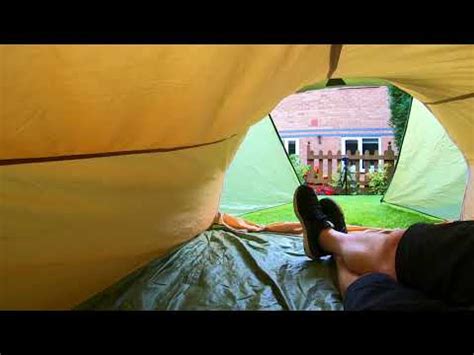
(324, 117)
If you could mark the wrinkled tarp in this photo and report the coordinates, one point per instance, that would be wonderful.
(224, 270)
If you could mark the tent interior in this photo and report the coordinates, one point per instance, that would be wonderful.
(117, 160)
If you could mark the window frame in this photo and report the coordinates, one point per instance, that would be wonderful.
(359, 140)
(286, 142)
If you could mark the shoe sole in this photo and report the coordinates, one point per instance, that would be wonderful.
(307, 249)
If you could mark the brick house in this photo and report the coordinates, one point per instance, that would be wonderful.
(342, 118)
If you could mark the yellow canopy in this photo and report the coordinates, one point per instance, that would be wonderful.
(112, 155)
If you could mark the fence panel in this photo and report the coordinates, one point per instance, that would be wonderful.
(318, 175)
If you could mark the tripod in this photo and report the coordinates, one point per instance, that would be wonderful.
(344, 177)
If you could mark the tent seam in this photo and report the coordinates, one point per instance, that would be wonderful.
(451, 99)
(104, 154)
(334, 56)
(283, 146)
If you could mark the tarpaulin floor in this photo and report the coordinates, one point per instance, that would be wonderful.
(225, 270)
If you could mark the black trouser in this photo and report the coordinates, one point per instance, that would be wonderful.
(435, 270)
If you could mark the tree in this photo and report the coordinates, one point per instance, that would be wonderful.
(400, 103)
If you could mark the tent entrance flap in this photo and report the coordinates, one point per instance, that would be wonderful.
(431, 174)
(261, 175)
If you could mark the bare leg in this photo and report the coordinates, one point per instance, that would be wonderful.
(363, 252)
(345, 277)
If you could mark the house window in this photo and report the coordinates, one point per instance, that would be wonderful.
(292, 146)
(370, 144)
(373, 145)
(351, 145)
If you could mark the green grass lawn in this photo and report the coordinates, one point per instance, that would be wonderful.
(362, 210)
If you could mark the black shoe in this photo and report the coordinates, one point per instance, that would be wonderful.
(312, 219)
(334, 212)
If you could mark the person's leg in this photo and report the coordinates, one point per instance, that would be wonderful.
(345, 277)
(363, 252)
(437, 260)
(378, 291)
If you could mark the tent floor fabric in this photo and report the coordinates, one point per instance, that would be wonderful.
(224, 270)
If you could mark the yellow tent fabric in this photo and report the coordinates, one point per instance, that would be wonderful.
(70, 228)
(174, 116)
(68, 100)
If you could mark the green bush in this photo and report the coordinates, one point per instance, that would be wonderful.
(378, 181)
(400, 103)
(336, 178)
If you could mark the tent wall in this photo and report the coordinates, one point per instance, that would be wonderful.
(261, 175)
(431, 172)
(71, 228)
(458, 119)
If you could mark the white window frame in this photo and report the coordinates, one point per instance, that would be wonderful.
(359, 147)
(286, 141)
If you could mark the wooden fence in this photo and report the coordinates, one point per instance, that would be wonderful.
(328, 164)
